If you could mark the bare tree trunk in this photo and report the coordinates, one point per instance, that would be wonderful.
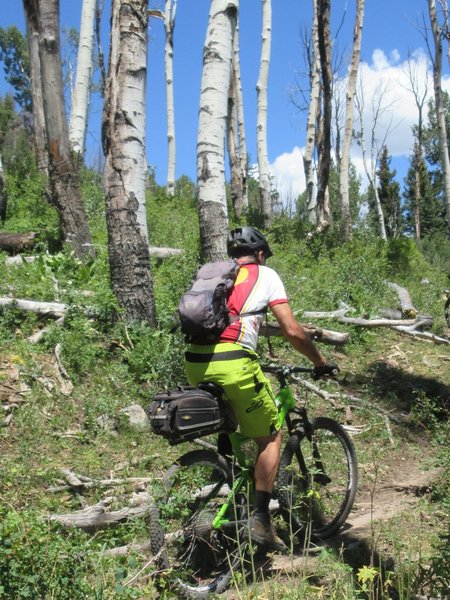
(124, 144)
(323, 28)
(440, 112)
(261, 127)
(64, 189)
(350, 97)
(169, 24)
(419, 89)
(80, 103)
(374, 153)
(314, 108)
(217, 60)
(239, 102)
(3, 194)
(417, 190)
(39, 132)
(233, 151)
(100, 56)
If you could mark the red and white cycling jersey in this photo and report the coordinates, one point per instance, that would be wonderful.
(257, 287)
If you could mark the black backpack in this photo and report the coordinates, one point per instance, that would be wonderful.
(203, 309)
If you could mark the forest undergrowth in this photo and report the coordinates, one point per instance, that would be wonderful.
(61, 400)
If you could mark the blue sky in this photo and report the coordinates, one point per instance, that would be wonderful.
(391, 30)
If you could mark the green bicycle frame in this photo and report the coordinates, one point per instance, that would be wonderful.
(285, 402)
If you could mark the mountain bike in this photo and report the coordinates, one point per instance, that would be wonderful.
(199, 522)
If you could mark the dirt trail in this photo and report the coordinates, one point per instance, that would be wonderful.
(395, 492)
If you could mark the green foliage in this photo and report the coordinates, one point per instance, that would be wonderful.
(389, 195)
(15, 143)
(28, 209)
(436, 249)
(16, 62)
(155, 357)
(37, 560)
(431, 208)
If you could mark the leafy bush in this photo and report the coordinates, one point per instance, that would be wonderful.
(39, 561)
(155, 356)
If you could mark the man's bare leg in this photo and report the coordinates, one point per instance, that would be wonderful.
(266, 464)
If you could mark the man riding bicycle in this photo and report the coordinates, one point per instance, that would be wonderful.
(232, 363)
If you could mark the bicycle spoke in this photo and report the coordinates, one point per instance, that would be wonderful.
(317, 479)
(197, 556)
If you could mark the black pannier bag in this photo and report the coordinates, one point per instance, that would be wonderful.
(188, 413)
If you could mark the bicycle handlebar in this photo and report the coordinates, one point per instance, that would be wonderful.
(285, 370)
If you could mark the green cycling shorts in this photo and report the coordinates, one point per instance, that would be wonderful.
(247, 389)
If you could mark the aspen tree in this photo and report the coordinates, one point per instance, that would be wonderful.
(39, 132)
(125, 172)
(438, 33)
(261, 126)
(349, 105)
(63, 191)
(169, 25)
(80, 101)
(212, 120)
(313, 112)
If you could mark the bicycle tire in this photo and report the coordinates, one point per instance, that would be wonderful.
(316, 501)
(197, 559)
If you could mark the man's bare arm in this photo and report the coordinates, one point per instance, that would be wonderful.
(295, 334)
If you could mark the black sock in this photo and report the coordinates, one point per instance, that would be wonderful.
(261, 505)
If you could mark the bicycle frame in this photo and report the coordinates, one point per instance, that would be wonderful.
(286, 403)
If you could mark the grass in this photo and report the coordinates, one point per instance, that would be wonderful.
(112, 366)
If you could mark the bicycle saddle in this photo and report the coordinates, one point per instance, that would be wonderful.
(212, 388)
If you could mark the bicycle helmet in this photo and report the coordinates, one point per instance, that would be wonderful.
(246, 239)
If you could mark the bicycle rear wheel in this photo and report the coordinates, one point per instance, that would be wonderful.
(317, 479)
(195, 558)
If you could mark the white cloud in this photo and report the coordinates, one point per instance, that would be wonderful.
(288, 174)
(384, 81)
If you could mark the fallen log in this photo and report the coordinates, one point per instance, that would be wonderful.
(96, 517)
(17, 242)
(125, 550)
(392, 313)
(317, 334)
(52, 309)
(360, 322)
(81, 482)
(408, 309)
(154, 251)
(422, 335)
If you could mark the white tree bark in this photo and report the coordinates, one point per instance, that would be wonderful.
(217, 59)
(261, 126)
(438, 33)
(239, 101)
(349, 101)
(126, 104)
(125, 172)
(169, 25)
(314, 107)
(80, 103)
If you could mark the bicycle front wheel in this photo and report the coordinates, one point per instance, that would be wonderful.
(195, 558)
(317, 479)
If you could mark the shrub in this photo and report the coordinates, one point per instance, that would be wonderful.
(39, 561)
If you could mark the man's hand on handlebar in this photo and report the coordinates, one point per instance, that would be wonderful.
(327, 370)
